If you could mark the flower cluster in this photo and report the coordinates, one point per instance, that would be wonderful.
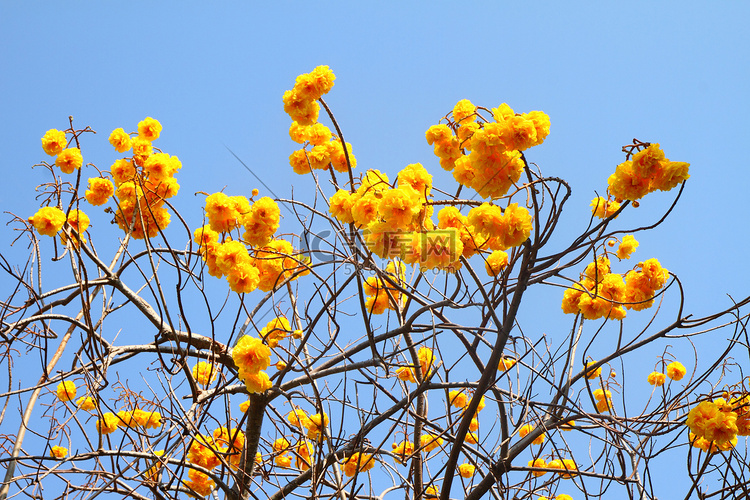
(54, 143)
(143, 181)
(358, 462)
(252, 356)
(255, 261)
(314, 424)
(110, 422)
(494, 161)
(603, 208)
(603, 398)
(716, 424)
(382, 293)
(675, 371)
(648, 170)
(48, 221)
(276, 330)
(426, 358)
(526, 429)
(460, 400)
(566, 467)
(300, 104)
(603, 294)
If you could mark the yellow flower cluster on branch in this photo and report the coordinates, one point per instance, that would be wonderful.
(647, 171)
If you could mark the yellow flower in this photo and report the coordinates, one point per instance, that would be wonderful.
(311, 86)
(571, 466)
(555, 464)
(474, 425)
(108, 423)
(66, 390)
(122, 171)
(426, 358)
(199, 482)
(568, 426)
(204, 373)
(48, 220)
(458, 399)
(318, 134)
(601, 394)
(496, 262)
(251, 354)
(431, 492)
(526, 429)
(120, 140)
(142, 149)
(358, 462)
(243, 277)
(316, 423)
(675, 370)
(147, 419)
(402, 451)
(304, 450)
(506, 363)
(256, 382)
(540, 463)
(244, 406)
(298, 418)
(54, 142)
(406, 374)
(464, 111)
(149, 129)
(709, 422)
(593, 373)
(86, 403)
(604, 405)
(69, 160)
(300, 108)
(261, 222)
(416, 176)
(627, 247)
(429, 442)
(670, 174)
(466, 470)
(647, 161)
(627, 184)
(80, 222)
(656, 378)
(99, 191)
(338, 157)
(276, 330)
(603, 208)
(58, 452)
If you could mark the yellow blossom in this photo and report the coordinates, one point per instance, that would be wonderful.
(120, 140)
(69, 160)
(54, 142)
(66, 390)
(149, 129)
(48, 220)
(675, 370)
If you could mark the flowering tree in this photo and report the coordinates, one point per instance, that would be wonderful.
(222, 357)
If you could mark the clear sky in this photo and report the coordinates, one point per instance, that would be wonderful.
(670, 72)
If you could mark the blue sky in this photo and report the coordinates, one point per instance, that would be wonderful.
(669, 72)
